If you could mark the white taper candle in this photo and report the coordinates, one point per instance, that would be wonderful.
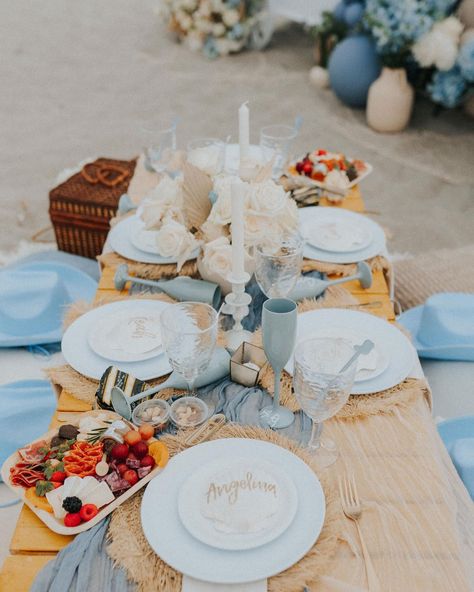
(244, 131)
(238, 249)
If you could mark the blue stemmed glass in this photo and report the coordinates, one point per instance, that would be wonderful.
(279, 336)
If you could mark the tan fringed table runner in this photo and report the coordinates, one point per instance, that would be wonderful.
(129, 548)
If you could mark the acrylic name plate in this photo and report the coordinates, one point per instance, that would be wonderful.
(241, 504)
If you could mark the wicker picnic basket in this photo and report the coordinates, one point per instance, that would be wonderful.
(81, 208)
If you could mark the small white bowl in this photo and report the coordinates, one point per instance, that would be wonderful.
(199, 412)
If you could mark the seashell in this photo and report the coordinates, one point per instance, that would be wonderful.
(196, 189)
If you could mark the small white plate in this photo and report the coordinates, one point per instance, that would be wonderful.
(318, 215)
(79, 355)
(120, 241)
(400, 353)
(221, 515)
(336, 235)
(368, 366)
(128, 337)
(178, 548)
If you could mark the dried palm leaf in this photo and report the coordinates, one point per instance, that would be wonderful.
(196, 188)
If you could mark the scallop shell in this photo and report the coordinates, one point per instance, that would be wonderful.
(196, 189)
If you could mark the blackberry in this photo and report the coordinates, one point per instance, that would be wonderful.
(72, 504)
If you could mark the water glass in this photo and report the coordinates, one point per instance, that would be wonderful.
(189, 333)
(278, 267)
(321, 389)
(275, 143)
(159, 147)
(207, 154)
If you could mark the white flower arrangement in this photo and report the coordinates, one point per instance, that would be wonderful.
(268, 212)
(439, 46)
(214, 27)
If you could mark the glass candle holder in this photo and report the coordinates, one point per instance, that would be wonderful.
(247, 364)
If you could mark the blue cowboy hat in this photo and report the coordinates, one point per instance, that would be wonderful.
(443, 328)
(33, 296)
(458, 437)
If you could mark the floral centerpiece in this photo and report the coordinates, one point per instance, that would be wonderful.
(428, 40)
(185, 218)
(215, 27)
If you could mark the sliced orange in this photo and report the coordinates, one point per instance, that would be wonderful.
(38, 502)
(159, 451)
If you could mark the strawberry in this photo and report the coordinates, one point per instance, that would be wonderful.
(72, 519)
(58, 476)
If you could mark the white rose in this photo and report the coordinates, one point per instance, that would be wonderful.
(231, 17)
(451, 26)
(221, 211)
(203, 25)
(205, 8)
(257, 229)
(194, 41)
(207, 158)
(189, 4)
(217, 256)
(218, 30)
(439, 46)
(174, 240)
(337, 180)
(265, 198)
(155, 212)
(212, 231)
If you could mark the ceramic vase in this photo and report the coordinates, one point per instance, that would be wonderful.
(390, 101)
(353, 66)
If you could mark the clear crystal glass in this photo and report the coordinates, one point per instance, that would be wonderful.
(321, 389)
(208, 154)
(276, 142)
(278, 267)
(159, 147)
(189, 333)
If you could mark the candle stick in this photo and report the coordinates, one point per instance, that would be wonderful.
(238, 250)
(244, 132)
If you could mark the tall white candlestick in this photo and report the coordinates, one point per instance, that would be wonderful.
(238, 250)
(244, 131)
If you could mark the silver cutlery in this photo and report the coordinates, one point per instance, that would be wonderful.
(352, 508)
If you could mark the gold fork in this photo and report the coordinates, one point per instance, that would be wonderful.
(352, 508)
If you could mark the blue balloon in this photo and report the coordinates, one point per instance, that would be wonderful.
(353, 66)
(339, 12)
(353, 14)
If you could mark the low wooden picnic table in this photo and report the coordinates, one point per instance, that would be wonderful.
(33, 544)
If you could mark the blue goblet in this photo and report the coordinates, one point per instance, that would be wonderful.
(279, 336)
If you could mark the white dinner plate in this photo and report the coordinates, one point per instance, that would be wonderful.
(337, 235)
(217, 510)
(79, 355)
(128, 337)
(120, 240)
(318, 215)
(400, 352)
(368, 366)
(178, 548)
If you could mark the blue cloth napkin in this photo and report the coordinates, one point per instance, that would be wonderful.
(26, 408)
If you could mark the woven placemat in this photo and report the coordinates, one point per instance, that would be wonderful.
(378, 263)
(130, 550)
(151, 271)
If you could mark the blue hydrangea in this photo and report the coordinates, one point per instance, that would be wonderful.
(447, 88)
(397, 24)
(236, 32)
(466, 60)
